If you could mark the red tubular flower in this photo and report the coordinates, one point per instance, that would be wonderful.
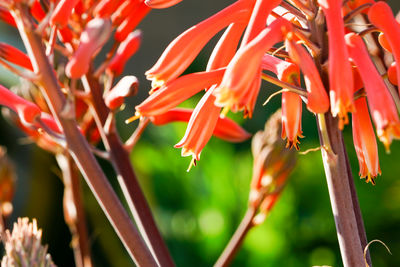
(380, 14)
(365, 142)
(241, 81)
(317, 98)
(175, 92)
(94, 36)
(65, 35)
(124, 10)
(340, 74)
(184, 49)
(125, 50)
(62, 12)
(262, 9)
(200, 128)
(161, 3)
(380, 102)
(206, 113)
(27, 111)
(106, 8)
(130, 23)
(225, 129)
(291, 102)
(6, 17)
(126, 87)
(15, 56)
(226, 46)
(37, 10)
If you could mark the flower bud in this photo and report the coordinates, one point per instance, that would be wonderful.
(62, 12)
(127, 86)
(92, 39)
(161, 3)
(15, 56)
(273, 162)
(125, 50)
(27, 111)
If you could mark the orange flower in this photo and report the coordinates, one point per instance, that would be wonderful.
(365, 142)
(176, 91)
(380, 14)
(206, 113)
(262, 9)
(380, 102)
(225, 129)
(161, 3)
(291, 102)
(200, 127)
(184, 49)
(317, 98)
(340, 74)
(241, 81)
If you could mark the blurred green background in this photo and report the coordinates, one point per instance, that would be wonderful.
(198, 211)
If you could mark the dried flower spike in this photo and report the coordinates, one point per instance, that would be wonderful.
(23, 246)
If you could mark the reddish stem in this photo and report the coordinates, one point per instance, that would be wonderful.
(77, 144)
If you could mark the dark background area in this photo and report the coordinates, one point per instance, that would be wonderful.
(198, 211)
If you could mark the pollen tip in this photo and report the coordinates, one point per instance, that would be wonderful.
(191, 164)
(133, 118)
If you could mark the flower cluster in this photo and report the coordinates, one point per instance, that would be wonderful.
(319, 40)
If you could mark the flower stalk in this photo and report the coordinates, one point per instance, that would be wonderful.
(77, 145)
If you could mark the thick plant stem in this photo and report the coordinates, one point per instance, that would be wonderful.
(234, 244)
(77, 145)
(126, 176)
(348, 226)
(74, 214)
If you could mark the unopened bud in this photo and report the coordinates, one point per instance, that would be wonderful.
(15, 56)
(127, 86)
(125, 50)
(130, 22)
(161, 3)
(273, 162)
(62, 12)
(92, 39)
(27, 111)
(6, 17)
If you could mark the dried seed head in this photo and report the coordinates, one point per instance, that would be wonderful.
(23, 246)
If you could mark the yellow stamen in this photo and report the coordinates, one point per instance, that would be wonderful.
(225, 111)
(131, 119)
(192, 163)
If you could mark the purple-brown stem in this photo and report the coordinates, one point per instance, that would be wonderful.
(77, 145)
(126, 177)
(76, 221)
(337, 176)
